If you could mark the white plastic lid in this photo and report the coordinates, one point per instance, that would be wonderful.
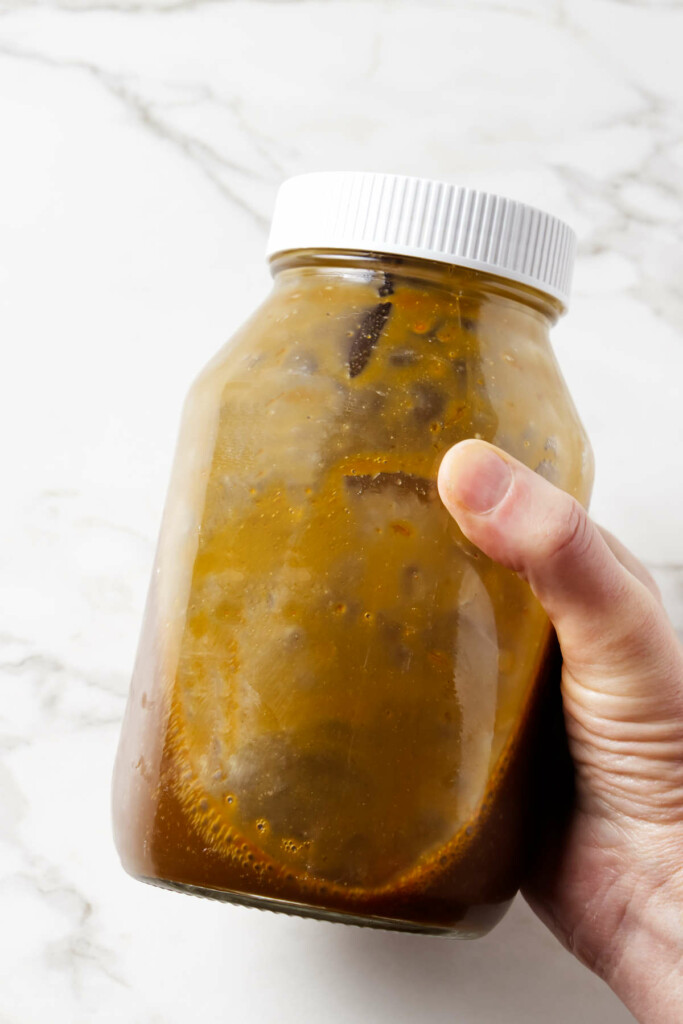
(394, 214)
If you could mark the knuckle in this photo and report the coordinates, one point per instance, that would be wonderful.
(572, 535)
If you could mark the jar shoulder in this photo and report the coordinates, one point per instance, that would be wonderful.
(413, 370)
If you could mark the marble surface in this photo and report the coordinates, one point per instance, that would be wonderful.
(142, 143)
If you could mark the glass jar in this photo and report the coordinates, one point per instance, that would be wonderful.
(333, 703)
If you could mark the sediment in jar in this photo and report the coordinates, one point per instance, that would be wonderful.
(467, 884)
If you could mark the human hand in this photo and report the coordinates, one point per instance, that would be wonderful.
(612, 888)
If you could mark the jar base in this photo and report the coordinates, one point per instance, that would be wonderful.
(320, 913)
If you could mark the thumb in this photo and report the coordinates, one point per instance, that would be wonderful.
(607, 621)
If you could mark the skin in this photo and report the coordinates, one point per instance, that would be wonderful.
(609, 883)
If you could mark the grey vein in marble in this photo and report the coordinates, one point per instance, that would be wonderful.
(215, 166)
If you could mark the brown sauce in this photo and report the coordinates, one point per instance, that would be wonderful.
(336, 693)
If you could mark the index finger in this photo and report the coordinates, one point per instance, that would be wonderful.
(630, 562)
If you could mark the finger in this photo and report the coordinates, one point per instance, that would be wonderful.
(604, 617)
(630, 562)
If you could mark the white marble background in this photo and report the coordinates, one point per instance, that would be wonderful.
(141, 142)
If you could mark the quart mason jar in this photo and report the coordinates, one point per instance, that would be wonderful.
(332, 705)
